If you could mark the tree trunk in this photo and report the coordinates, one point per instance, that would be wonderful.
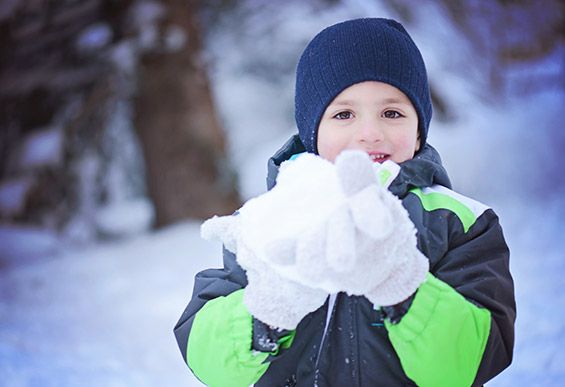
(183, 142)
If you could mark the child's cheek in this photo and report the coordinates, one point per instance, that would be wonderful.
(324, 150)
(328, 146)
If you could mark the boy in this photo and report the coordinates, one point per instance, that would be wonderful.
(362, 85)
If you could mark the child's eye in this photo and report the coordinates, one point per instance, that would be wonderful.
(343, 115)
(392, 114)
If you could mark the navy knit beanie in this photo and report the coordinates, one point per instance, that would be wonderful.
(355, 51)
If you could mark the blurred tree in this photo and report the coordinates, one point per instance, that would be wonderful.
(42, 74)
(511, 32)
(74, 78)
(184, 145)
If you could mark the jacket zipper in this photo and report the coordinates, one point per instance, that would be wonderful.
(331, 306)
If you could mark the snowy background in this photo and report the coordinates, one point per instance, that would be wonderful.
(102, 314)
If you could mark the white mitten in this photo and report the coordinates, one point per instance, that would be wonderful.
(348, 232)
(274, 300)
(388, 265)
(223, 228)
(277, 301)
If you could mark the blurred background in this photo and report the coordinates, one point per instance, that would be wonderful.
(124, 124)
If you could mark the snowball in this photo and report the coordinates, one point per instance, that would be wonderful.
(296, 203)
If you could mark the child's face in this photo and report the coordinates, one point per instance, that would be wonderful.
(374, 117)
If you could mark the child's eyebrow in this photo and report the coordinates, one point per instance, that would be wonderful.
(394, 100)
(342, 103)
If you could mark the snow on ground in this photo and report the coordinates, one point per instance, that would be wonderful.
(534, 232)
(97, 316)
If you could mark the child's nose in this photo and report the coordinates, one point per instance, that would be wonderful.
(370, 132)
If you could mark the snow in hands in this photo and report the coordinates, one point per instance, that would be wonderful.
(331, 227)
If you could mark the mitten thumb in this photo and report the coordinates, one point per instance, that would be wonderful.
(222, 228)
(355, 171)
(370, 213)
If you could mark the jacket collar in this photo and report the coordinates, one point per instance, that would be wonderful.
(424, 170)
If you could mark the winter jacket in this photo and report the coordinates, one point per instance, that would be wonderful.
(458, 330)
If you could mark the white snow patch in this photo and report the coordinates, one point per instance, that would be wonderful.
(13, 194)
(146, 12)
(175, 38)
(123, 56)
(127, 217)
(42, 148)
(102, 315)
(144, 16)
(94, 37)
(23, 244)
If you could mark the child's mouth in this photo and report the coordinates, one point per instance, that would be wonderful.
(378, 157)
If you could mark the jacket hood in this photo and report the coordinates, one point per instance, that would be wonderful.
(424, 170)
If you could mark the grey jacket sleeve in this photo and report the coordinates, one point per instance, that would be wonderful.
(209, 284)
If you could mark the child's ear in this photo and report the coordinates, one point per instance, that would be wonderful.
(418, 143)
